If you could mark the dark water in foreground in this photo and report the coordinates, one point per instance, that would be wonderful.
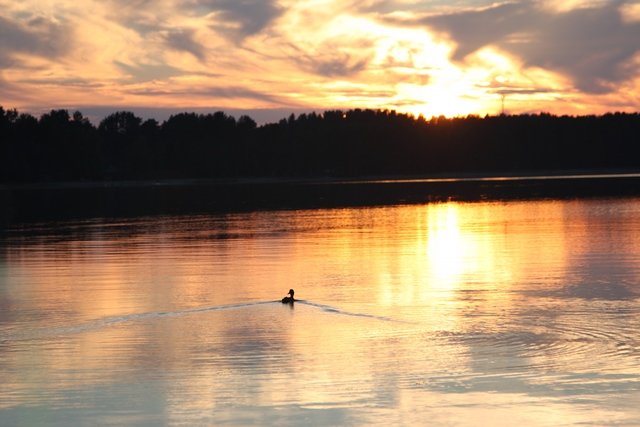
(483, 313)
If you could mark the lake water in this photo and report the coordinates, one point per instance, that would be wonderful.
(484, 313)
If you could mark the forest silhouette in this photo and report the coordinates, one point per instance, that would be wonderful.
(61, 146)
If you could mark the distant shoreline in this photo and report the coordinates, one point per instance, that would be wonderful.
(114, 199)
(326, 180)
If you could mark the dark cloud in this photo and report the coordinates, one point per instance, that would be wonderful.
(591, 45)
(75, 83)
(473, 30)
(239, 18)
(332, 59)
(32, 35)
(183, 40)
(140, 16)
(133, 4)
(507, 89)
(520, 91)
(430, 6)
(231, 92)
(336, 66)
(148, 72)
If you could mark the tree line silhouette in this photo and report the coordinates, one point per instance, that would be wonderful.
(60, 146)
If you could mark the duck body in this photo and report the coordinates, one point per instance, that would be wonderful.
(289, 298)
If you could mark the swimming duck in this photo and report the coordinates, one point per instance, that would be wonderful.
(287, 299)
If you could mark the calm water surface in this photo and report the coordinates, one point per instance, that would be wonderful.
(510, 313)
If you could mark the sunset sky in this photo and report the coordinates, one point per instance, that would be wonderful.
(268, 58)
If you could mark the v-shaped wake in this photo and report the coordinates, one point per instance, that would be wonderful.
(97, 324)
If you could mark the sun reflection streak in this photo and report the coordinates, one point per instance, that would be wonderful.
(446, 247)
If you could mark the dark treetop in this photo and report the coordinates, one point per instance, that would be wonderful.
(60, 146)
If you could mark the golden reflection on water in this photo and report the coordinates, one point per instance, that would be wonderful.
(420, 309)
(455, 249)
(447, 247)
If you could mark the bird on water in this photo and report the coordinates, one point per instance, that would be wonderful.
(288, 299)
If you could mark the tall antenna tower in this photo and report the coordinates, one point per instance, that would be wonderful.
(503, 97)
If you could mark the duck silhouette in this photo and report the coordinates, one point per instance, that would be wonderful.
(288, 299)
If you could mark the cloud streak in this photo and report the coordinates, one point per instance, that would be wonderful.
(232, 92)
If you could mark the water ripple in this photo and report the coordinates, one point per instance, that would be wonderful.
(334, 310)
(39, 333)
(116, 320)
